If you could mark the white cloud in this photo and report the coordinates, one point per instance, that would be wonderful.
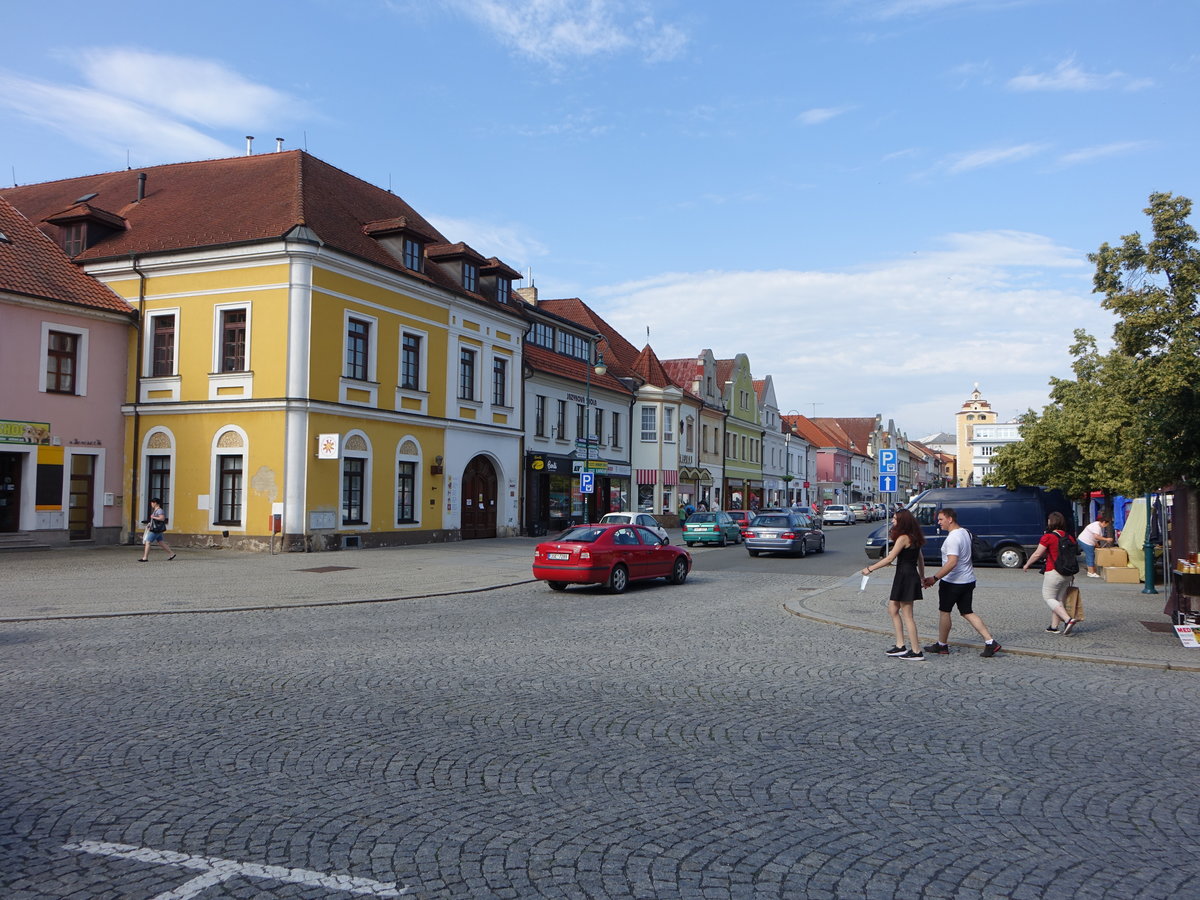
(152, 106)
(992, 156)
(201, 90)
(820, 115)
(1067, 76)
(555, 30)
(1087, 154)
(506, 242)
(995, 307)
(106, 124)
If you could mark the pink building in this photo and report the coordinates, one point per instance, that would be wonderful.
(64, 344)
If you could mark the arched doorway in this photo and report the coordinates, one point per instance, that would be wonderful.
(479, 499)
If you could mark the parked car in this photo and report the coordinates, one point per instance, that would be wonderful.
(613, 555)
(711, 528)
(784, 532)
(864, 512)
(742, 516)
(814, 513)
(1005, 525)
(839, 513)
(635, 518)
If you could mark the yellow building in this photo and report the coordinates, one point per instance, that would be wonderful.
(313, 358)
(975, 411)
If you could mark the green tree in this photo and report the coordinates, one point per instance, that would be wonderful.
(1129, 421)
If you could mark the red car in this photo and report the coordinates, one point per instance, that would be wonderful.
(609, 554)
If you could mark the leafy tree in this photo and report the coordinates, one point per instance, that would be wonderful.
(1129, 421)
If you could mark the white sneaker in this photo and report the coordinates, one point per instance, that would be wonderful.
(1093, 574)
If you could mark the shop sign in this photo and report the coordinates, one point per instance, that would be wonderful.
(550, 465)
(1187, 635)
(328, 446)
(598, 466)
(16, 432)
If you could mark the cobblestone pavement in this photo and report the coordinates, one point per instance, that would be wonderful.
(695, 742)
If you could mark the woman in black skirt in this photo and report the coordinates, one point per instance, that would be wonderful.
(907, 541)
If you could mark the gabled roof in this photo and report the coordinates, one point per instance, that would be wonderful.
(32, 265)
(618, 352)
(650, 370)
(547, 361)
(725, 369)
(814, 433)
(683, 371)
(240, 200)
(857, 430)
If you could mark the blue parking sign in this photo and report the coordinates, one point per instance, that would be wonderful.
(587, 482)
(887, 462)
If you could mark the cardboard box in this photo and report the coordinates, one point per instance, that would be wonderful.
(1111, 556)
(1121, 575)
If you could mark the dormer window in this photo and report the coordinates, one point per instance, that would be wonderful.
(470, 275)
(503, 290)
(413, 254)
(73, 238)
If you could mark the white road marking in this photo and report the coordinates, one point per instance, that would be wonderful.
(217, 870)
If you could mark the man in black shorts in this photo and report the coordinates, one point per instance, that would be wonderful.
(956, 585)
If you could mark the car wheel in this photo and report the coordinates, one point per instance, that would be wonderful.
(557, 585)
(679, 571)
(722, 542)
(618, 579)
(1011, 557)
(691, 543)
(803, 549)
(821, 546)
(752, 552)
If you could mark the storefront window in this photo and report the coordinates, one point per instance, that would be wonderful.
(618, 495)
(646, 498)
(560, 500)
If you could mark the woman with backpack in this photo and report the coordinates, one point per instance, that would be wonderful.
(1061, 552)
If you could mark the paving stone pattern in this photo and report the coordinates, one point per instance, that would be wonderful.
(673, 742)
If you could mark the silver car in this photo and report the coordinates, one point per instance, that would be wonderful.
(783, 532)
(634, 518)
(839, 514)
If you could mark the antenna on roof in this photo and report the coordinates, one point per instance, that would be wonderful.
(647, 334)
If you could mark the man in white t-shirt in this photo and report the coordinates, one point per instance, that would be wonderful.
(956, 585)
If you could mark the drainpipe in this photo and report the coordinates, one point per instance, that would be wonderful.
(134, 485)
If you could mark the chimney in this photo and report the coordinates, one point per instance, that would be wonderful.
(141, 194)
(249, 144)
(278, 145)
(528, 294)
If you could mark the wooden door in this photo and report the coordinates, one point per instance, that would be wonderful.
(479, 499)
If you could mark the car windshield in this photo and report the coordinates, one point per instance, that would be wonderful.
(771, 522)
(703, 517)
(835, 509)
(584, 534)
(616, 518)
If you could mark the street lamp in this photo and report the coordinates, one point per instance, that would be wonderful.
(596, 364)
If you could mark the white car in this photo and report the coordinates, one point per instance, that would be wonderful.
(634, 518)
(837, 514)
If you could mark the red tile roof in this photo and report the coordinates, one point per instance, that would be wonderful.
(542, 360)
(244, 199)
(618, 352)
(32, 265)
(683, 371)
(650, 370)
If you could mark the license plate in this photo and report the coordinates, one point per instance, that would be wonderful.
(559, 555)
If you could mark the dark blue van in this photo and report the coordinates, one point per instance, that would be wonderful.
(1006, 525)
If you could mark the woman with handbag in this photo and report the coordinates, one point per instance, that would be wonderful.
(156, 527)
(907, 541)
(1054, 584)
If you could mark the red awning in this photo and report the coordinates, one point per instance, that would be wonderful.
(647, 476)
(670, 477)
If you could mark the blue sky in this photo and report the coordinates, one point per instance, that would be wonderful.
(882, 202)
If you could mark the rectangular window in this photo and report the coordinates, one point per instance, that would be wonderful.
(158, 480)
(164, 346)
(406, 492)
(62, 362)
(358, 343)
(669, 425)
(412, 254)
(229, 506)
(561, 421)
(353, 478)
(580, 425)
(499, 382)
(233, 340)
(649, 424)
(573, 345)
(598, 424)
(542, 335)
(470, 276)
(503, 290)
(539, 415)
(74, 238)
(616, 429)
(410, 362)
(466, 374)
